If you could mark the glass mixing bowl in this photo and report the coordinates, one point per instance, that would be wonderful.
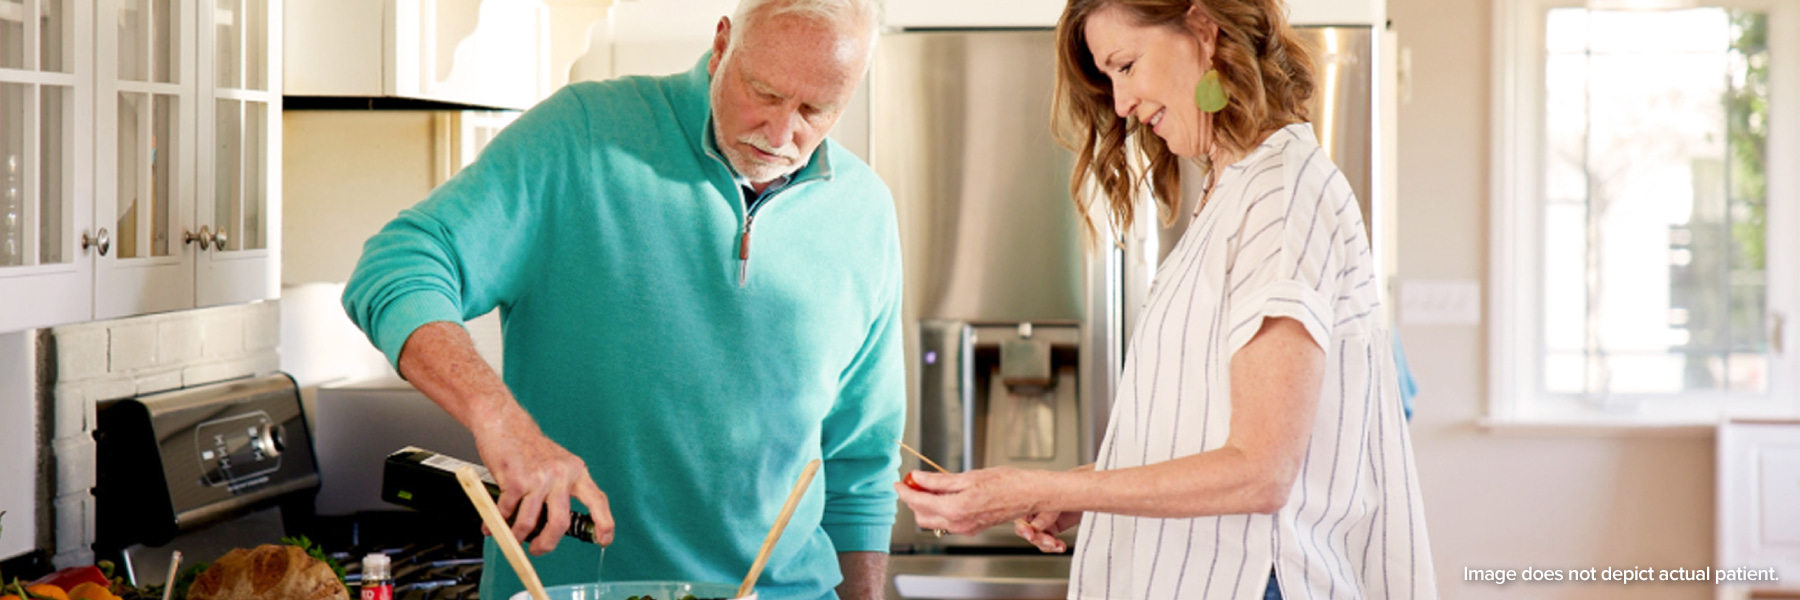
(620, 590)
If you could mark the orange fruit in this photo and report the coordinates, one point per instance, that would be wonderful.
(89, 590)
(46, 590)
(10, 597)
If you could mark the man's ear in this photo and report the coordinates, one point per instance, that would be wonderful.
(721, 42)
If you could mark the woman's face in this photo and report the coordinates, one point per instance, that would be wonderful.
(1154, 70)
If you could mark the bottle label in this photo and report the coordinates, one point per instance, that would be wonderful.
(451, 464)
(378, 592)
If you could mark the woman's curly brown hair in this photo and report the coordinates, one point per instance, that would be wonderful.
(1266, 69)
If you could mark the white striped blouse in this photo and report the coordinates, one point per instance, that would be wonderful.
(1282, 237)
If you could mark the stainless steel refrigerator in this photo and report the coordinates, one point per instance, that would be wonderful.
(1015, 330)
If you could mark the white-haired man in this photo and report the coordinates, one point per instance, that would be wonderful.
(700, 295)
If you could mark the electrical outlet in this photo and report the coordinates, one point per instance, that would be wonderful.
(1440, 302)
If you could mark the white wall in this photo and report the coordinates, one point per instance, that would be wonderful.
(1513, 500)
(18, 443)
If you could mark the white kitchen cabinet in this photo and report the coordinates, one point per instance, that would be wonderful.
(980, 13)
(912, 14)
(148, 165)
(1758, 490)
(187, 121)
(485, 53)
(46, 194)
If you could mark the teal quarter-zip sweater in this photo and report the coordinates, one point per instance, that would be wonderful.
(607, 232)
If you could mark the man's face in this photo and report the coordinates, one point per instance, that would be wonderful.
(781, 89)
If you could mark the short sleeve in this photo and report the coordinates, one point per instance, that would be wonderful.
(1289, 248)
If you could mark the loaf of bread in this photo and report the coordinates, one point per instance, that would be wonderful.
(268, 572)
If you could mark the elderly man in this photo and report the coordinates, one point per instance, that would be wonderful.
(700, 294)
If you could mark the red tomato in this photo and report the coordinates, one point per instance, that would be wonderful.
(913, 484)
(69, 578)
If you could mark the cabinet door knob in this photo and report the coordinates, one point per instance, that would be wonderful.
(104, 241)
(219, 240)
(204, 237)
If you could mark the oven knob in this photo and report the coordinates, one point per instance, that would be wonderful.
(271, 442)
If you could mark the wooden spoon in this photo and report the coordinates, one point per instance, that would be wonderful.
(787, 510)
(490, 516)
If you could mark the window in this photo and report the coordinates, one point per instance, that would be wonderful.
(1644, 257)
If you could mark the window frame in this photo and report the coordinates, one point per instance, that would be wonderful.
(1516, 254)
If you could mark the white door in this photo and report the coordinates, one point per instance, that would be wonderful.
(144, 104)
(240, 123)
(46, 192)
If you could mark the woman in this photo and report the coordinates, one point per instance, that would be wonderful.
(1257, 440)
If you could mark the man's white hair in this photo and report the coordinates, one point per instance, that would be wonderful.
(866, 13)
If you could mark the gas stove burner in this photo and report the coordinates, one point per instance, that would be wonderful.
(448, 570)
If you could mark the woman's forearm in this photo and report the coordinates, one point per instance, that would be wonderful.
(1216, 482)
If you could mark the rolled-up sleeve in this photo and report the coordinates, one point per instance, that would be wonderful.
(861, 434)
(465, 250)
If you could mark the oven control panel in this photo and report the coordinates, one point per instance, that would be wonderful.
(178, 460)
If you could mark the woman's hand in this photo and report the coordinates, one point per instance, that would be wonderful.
(970, 503)
(1041, 528)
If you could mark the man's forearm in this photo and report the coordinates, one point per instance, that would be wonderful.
(865, 575)
(440, 359)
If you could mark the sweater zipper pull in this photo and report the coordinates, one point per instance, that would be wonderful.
(744, 251)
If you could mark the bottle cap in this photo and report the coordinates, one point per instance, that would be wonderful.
(375, 566)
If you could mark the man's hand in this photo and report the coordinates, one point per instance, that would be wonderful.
(538, 475)
(534, 473)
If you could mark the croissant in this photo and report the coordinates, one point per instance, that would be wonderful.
(268, 572)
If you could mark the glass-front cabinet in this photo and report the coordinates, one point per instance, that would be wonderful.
(144, 112)
(139, 165)
(241, 125)
(46, 84)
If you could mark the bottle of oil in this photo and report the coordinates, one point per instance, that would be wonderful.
(425, 481)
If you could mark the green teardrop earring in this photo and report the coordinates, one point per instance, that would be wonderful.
(1210, 95)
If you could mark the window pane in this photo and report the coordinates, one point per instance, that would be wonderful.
(12, 34)
(227, 57)
(256, 44)
(256, 197)
(162, 171)
(148, 34)
(165, 33)
(227, 193)
(14, 115)
(58, 34)
(53, 186)
(132, 35)
(1654, 205)
(125, 227)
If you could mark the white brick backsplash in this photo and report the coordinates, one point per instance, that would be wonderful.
(177, 342)
(75, 468)
(133, 347)
(108, 388)
(74, 525)
(158, 381)
(80, 352)
(222, 335)
(72, 416)
(262, 327)
(260, 363)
